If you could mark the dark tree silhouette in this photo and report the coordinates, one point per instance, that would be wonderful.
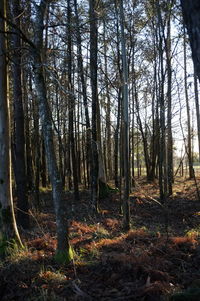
(191, 12)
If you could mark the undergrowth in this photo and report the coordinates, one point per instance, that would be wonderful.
(109, 264)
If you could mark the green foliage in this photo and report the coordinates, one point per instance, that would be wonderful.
(64, 257)
(8, 248)
(194, 232)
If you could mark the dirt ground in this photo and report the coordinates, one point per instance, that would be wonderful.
(158, 259)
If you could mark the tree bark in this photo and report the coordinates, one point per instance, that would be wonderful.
(71, 107)
(19, 133)
(8, 226)
(191, 12)
(169, 107)
(63, 253)
(189, 145)
(84, 88)
(93, 78)
(197, 108)
(125, 127)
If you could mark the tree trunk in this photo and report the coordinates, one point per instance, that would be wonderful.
(188, 146)
(125, 127)
(197, 108)
(108, 156)
(8, 226)
(63, 253)
(36, 145)
(119, 102)
(71, 107)
(191, 12)
(169, 108)
(84, 89)
(93, 75)
(43, 166)
(161, 101)
(19, 134)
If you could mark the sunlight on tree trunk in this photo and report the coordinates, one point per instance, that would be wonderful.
(8, 227)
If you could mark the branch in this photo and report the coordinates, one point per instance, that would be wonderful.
(22, 35)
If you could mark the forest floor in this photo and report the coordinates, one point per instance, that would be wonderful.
(158, 259)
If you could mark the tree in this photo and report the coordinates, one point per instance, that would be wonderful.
(93, 75)
(169, 105)
(125, 128)
(84, 88)
(197, 108)
(71, 106)
(8, 226)
(191, 11)
(19, 133)
(64, 252)
(189, 135)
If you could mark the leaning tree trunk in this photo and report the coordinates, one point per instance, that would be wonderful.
(8, 227)
(63, 253)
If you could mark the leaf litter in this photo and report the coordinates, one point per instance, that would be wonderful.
(153, 261)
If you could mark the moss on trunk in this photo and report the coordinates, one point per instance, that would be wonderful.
(63, 257)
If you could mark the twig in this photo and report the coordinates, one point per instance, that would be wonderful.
(79, 292)
(151, 198)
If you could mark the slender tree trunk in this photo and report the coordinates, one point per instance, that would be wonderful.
(63, 248)
(108, 112)
(19, 133)
(36, 145)
(43, 166)
(8, 226)
(116, 138)
(125, 127)
(169, 109)
(93, 75)
(119, 102)
(161, 95)
(84, 89)
(189, 146)
(28, 149)
(197, 108)
(71, 108)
